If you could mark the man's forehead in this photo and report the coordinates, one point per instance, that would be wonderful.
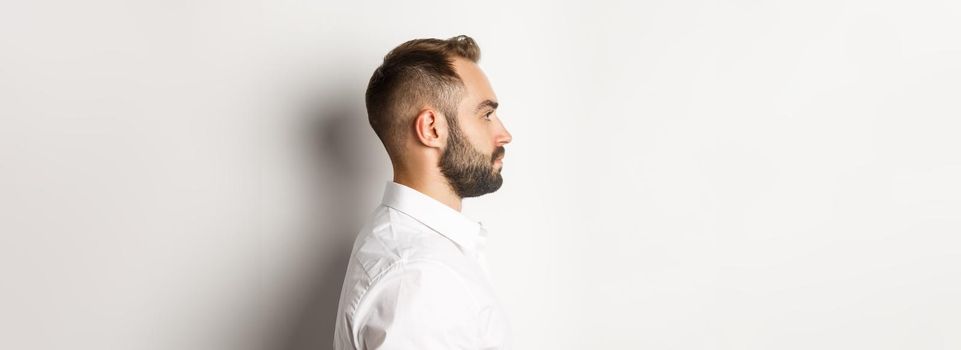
(475, 81)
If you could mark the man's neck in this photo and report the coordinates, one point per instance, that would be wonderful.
(434, 188)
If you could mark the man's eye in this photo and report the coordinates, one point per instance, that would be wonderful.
(488, 115)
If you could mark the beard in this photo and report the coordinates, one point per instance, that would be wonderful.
(469, 172)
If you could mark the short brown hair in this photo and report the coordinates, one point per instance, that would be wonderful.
(418, 72)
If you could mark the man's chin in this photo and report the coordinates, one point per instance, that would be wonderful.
(492, 187)
(497, 183)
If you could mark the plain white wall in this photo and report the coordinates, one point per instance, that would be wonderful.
(683, 175)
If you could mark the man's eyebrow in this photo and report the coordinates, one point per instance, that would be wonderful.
(487, 103)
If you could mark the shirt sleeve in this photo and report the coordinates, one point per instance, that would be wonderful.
(419, 305)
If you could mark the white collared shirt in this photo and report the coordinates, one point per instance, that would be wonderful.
(417, 279)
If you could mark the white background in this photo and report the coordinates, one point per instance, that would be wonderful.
(683, 175)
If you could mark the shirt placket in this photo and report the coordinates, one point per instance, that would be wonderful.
(479, 251)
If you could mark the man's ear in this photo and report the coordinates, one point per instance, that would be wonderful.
(430, 128)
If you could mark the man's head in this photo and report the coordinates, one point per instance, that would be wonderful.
(434, 110)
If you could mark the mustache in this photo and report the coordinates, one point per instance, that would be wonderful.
(498, 152)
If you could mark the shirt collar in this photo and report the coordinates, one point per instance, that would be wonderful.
(468, 234)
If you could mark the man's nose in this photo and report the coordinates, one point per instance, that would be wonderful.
(505, 136)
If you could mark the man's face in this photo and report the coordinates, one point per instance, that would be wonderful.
(472, 160)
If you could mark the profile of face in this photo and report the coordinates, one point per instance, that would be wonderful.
(473, 157)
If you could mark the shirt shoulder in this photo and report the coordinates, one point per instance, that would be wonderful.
(410, 287)
(392, 240)
(393, 237)
(418, 305)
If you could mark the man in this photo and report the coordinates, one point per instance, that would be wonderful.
(417, 277)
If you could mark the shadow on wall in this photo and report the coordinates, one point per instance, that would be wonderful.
(340, 152)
